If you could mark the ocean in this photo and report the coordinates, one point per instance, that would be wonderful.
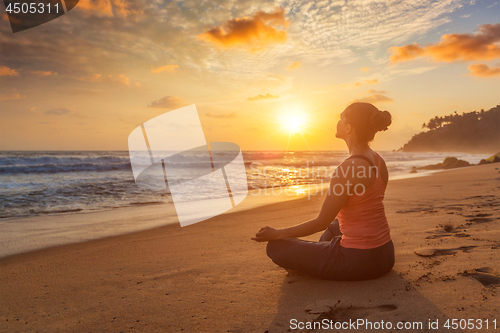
(59, 182)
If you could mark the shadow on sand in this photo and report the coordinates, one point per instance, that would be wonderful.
(390, 298)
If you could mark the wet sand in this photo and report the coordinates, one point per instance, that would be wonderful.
(210, 277)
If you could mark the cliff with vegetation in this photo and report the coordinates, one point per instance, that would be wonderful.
(470, 132)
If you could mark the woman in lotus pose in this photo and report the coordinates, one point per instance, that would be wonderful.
(357, 244)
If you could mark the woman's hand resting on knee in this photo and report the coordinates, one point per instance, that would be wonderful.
(304, 229)
(267, 234)
(331, 207)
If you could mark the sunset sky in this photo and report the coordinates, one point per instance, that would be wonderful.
(266, 75)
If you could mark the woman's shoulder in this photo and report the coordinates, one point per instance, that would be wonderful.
(356, 169)
(359, 159)
(362, 160)
(362, 169)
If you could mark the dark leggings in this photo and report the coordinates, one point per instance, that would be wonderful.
(326, 259)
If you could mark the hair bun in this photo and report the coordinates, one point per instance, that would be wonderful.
(380, 120)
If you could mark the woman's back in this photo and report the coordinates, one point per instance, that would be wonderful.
(362, 219)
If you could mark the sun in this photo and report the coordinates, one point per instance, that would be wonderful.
(294, 124)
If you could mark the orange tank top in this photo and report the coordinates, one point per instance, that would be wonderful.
(362, 219)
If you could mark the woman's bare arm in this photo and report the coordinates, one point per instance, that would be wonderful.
(331, 207)
(335, 199)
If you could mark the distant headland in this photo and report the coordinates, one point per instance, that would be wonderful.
(470, 132)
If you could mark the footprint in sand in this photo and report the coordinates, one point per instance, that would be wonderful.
(478, 215)
(432, 252)
(343, 314)
(480, 197)
(485, 201)
(424, 210)
(479, 220)
(486, 275)
(490, 203)
(447, 230)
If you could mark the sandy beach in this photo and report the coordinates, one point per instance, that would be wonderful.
(210, 277)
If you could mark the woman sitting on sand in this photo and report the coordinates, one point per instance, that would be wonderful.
(357, 245)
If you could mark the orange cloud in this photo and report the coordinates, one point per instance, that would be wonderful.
(167, 68)
(110, 78)
(122, 79)
(364, 69)
(168, 102)
(294, 66)
(364, 83)
(108, 8)
(454, 47)
(250, 32)
(92, 78)
(12, 95)
(102, 7)
(483, 70)
(123, 8)
(44, 73)
(371, 91)
(6, 71)
(375, 98)
(405, 53)
(260, 97)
